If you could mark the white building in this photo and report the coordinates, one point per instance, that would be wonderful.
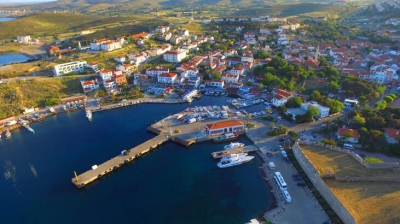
(280, 97)
(230, 77)
(125, 68)
(105, 45)
(153, 72)
(167, 78)
(89, 85)
(174, 56)
(162, 29)
(323, 111)
(214, 83)
(24, 39)
(75, 66)
(219, 128)
(343, 131)
(392, 135)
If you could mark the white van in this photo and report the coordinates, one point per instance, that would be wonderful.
(284, 154)
(286, 195)
(348, 146)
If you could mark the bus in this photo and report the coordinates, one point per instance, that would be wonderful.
(280, 181)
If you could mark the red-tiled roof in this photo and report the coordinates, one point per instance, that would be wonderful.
(167, 75)
(342, 131)
(393, 133)
(282, 93)
(135, 36)
(224, 124)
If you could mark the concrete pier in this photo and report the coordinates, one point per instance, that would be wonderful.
(116, 162)
(247, 148)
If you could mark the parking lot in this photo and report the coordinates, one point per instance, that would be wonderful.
(303, 207)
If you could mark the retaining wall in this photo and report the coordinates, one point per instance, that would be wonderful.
(323, 189)
(384, 165)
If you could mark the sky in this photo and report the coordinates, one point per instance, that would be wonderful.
(22, 1)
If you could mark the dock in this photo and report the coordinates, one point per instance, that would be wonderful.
(125, 157)
(247, 148)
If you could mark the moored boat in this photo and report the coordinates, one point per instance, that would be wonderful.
(225, 137)
(89, 115)
(8, 134)
(233, 145)
(234, 155)
(234, 161)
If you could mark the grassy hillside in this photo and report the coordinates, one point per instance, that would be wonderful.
(44, 23)
(20, 94)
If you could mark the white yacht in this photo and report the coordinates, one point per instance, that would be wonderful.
(89, 115)
(234, 161)
(52, 110)
(233, 145)
(234, 155)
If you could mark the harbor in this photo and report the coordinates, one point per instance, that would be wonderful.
(171, 128)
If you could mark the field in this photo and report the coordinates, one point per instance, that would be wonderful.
(17, 95)
(368, 202)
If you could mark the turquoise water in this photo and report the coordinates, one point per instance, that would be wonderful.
(4, 19)
(10, 58)
(172, 184)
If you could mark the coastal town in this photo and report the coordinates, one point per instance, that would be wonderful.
(291, 86)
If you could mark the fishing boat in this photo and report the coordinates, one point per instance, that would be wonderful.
(8, 134)
(225, 138)
(234, 155)
(234, 161)
(233, 145)
(89, 115)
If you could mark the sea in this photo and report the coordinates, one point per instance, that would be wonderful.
(172, 184)
(5, 19)
(11, 58)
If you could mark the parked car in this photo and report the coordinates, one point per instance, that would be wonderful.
(301, 184)
(282, 140)
(287, 160)
(297, 178)
(295, 175)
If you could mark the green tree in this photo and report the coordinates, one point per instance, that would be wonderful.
(215, 75)
(359, 120)
(333, 86)
(260, 86)
(294, 102)
(272, 126)
(313, 111)
(328, 141)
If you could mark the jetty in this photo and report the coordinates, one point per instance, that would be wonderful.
(247, 148)
(125, 157)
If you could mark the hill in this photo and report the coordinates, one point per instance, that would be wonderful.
(44, 24)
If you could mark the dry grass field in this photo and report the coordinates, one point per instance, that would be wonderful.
(368, 202)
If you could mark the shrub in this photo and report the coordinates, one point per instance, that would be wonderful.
(373, 160)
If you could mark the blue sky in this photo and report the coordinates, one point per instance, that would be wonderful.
(22, 1)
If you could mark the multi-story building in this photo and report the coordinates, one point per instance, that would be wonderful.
(323, 111)
(75, 66)
(167, 78)
(154, 72)
(89, 85)
(174, 56)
